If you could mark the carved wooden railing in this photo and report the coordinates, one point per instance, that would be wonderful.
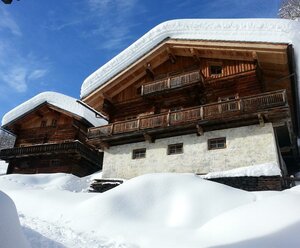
(75, 146)
(245, 105)
(171, 82)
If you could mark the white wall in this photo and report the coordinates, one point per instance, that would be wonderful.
(246, 146)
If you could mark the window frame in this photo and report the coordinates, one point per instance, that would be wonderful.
(54, 123)
(44, 123)
(215, 143)
(178, 149)
(211, 70)
(55, 162)
(138, 153)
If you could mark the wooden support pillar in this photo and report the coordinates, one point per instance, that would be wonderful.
(172, 57)
(148, 138)
(261, 120)
(149, 71)
(103, 145)
(200, 130)
(195, 55)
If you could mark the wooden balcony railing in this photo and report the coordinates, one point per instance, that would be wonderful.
(75, 147)
(171, 82)
(245, 105)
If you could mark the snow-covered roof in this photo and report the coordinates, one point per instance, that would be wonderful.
(251, 30)
(59, 100)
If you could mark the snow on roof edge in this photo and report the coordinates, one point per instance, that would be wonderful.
(251, 30)
(59, 100)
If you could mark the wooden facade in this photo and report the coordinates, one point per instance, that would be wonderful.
(182, 87)
(51, 140)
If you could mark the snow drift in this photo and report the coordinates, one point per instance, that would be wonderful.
(11, 235)
(156, 210)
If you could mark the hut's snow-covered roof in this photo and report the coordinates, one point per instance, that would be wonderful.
(251, 30)
(59, 100)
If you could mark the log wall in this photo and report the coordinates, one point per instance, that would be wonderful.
(237, 78)
(48, 126)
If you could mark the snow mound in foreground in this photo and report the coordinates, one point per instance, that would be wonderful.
(3, 167)
(10, 230)
(156, 210)
(167, 200)
(55, 181)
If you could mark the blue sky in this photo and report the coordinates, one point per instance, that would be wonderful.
(54, 45)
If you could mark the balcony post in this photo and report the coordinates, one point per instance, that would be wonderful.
(241, 105)
(168, 118)
(201, 112)
(138, 123)
(284, 96)
(169, 83)
(112, 128)
(142, 90)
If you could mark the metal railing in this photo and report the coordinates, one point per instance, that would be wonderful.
(244, 105)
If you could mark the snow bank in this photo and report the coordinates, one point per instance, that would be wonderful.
(59, 100)
(55, 181)
(156, 210)
(3, 167)
(268, 169)
(11, 235)
(259, 30)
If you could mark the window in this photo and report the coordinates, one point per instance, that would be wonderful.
(24, 165)
(55, 162)
(215, 69)
(43, 123)
(139, 90)
(218, 143)
(175, 149)
(54, 123)
(139, 153)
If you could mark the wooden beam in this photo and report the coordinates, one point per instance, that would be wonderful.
(257, 46)
(107, 97)
(200, 130)
(149, 71)
(148, 138)
(195, 55)
(103, 145)
(172, 57)
(261, 120)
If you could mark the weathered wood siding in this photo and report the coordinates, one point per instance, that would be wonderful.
(238, 78)
(46, 125)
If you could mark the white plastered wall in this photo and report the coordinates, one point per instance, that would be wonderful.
(245, 146)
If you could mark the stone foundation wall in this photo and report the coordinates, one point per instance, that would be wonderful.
(245, 146)
(252, 183)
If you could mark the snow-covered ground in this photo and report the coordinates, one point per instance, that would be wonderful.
(3, 167)
(156, 210)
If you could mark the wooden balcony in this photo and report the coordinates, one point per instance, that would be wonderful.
(171, 83)
(69, 148)
(233, 110)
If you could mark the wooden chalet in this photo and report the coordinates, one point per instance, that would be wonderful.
(205, 88)
(50, 138)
